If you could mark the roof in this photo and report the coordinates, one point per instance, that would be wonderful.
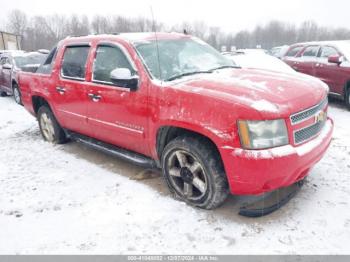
(342, 45)
(7, 33)
(11, 52)
(128, 37)
(325, 42)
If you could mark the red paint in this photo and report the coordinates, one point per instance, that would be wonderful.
(326, 69)
(206, 104)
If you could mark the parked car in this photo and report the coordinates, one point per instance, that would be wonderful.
(259, 61)
(329, 61)
(174, 102)
(279, 51)
(11, 62)
(251, 51)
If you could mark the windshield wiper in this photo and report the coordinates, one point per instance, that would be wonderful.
(223, 67)
(188, 74)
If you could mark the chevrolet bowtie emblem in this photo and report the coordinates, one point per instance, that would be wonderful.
(321, 116)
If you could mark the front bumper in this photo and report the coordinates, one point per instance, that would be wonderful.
(258, 171)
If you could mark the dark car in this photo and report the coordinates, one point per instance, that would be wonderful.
(329, 61)
(11, 62)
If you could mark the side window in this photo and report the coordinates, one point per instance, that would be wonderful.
(311, 51)
(107, 59)
(74, 62)
(294, 51)
(46, 67)
(328, 51)
(3, 61)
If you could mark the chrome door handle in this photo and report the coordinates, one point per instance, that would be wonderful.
(94, 97)
(60, 90)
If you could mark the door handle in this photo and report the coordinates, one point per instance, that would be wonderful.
(94, 97)
(60, 90)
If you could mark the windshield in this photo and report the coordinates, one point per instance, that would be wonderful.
(31, 59)
(180, 57)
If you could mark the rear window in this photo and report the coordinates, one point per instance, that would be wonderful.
(74, 62)
(3, 60)
(294, 51)
(310, 51)
(46, 67)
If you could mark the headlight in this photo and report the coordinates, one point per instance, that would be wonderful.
(263, 134)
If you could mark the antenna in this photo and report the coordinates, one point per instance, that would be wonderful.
(156, 36)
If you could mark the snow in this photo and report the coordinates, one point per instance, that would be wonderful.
(263, 105)
(259, 60)
(69, 199)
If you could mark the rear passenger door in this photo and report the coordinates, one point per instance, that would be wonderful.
(290, 56)
(331, 73)
(70, 94)
(308, 60)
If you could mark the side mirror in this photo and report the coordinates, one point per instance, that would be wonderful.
(335, 59)
(7, 66)
(122, 77)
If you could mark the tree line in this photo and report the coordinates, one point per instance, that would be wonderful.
(45, 31)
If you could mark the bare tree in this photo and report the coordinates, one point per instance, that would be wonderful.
(46, 31)
(16, 22)
(100, 24)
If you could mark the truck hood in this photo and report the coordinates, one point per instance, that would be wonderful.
(265, 91)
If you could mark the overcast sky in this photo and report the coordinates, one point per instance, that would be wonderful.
(229, 15)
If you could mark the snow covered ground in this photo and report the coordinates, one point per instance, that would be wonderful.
(69, 199)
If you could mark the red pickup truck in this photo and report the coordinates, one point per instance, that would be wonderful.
(172, 101)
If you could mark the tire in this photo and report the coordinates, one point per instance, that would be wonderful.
(49, 127)
(347, 97)
(194, 173)
(3, 94)
(17, 94)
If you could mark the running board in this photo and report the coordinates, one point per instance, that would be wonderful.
(270, 202)
(121, 153)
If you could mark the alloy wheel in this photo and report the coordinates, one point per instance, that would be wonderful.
(187, 175)
(47, 127)
(17, 95)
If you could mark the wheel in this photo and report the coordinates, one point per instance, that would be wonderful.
(347, 98)
(49, 127)
(2, 93)
(17, 94)
(194, 172)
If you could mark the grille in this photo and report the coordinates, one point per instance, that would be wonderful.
(309, 132)
(308, 113)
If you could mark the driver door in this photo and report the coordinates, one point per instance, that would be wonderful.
(331, 73)
(115, 114)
